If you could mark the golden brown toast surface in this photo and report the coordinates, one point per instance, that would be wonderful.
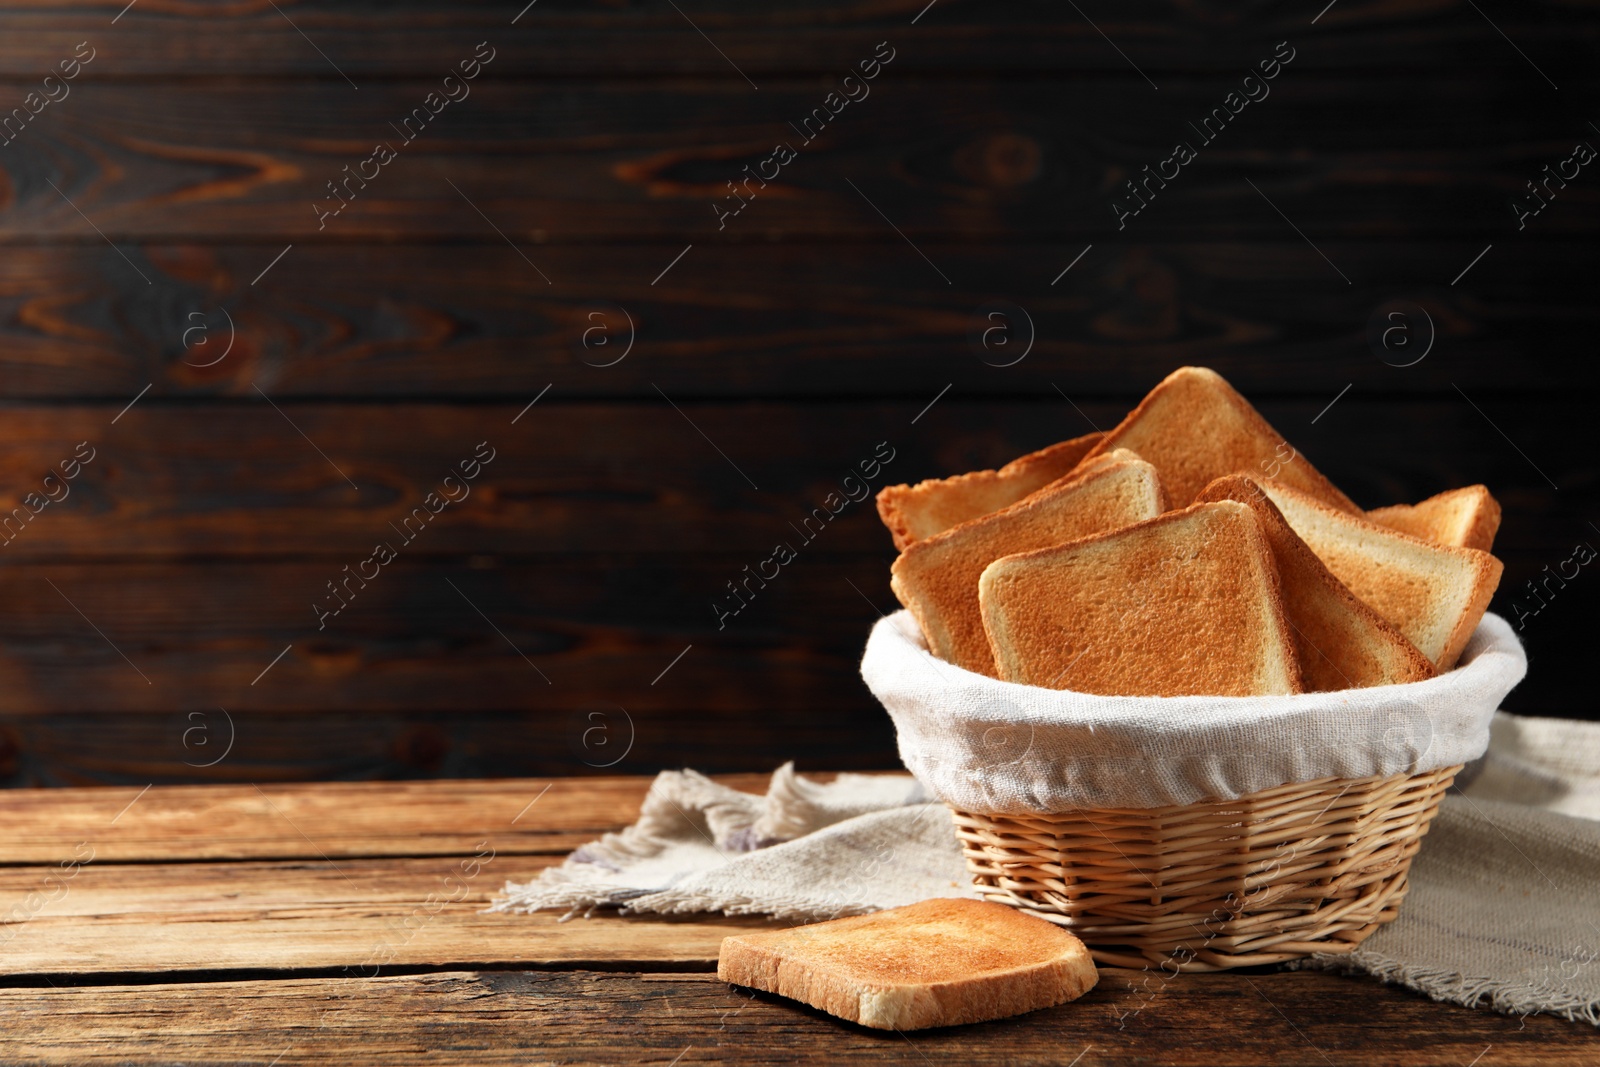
(1195, 427)
(1434, 594)
(1340, 642)
(1465, 518)
(1183, 604)
(938, 963)
(916, 512)
(937, 579)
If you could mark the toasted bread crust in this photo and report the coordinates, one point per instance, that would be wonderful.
(1195, 427)
(916, 512)
(1184, 604)
(1340, 642)
(937, 578)
(1435, 594)
(942, 962)
(1468, 517)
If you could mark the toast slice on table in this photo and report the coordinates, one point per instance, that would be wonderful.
(1340, 642)
(938, 578)
(1184, 604)
(938, 963)
(1194, 427)
(1464, 518)
(916, 512)
(1435, 594)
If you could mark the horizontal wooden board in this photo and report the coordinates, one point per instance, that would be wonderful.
(555, 39)
(364, 915)
(475, 1019)
(788, 320)
(251, 479)
(982, 159)
(327, 821)
(532, 637)
(410, 681)
(753, 730)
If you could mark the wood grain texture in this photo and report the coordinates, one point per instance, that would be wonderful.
(242, 479)
(984, 160)
(413, 683)
(803, 321)
(475, 1018)
(318, 743)
(364, 915)
(405, 330)
(361, 919)
(604, 631)
(411, 680)
(795, 338)
(565, 40)
(330, 820)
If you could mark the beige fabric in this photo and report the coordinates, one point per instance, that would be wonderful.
(1002, 748)
(803, 852)
(1551, 763)
(1503, 909)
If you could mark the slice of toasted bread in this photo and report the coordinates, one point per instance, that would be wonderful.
(1435, 594)
(938, 578)
(1341, 643)
(916, 512)
(938, 963)
(1464, 518)
(1194, 427)
(1184, 604)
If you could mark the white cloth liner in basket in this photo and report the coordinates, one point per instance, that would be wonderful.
(983, 745)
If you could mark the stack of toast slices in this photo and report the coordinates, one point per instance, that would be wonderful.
(1189, 551)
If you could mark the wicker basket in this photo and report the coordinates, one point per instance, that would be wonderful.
(1310, 867)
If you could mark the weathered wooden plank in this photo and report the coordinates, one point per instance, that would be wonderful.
(794, 321)
(480, 1019)
(410, 680)
(1033, 160)
(610, 634)
(360, 914)
(752, 726)
(597, 632)
(324, 821)
(236, 479)
(366, 40)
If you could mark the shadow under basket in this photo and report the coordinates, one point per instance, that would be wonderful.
(1300, 869)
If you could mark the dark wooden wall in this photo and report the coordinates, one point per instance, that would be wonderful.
(527, 628)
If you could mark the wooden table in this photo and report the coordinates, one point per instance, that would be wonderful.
(296, 924)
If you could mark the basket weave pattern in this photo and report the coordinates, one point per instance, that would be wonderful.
(1309, 867)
